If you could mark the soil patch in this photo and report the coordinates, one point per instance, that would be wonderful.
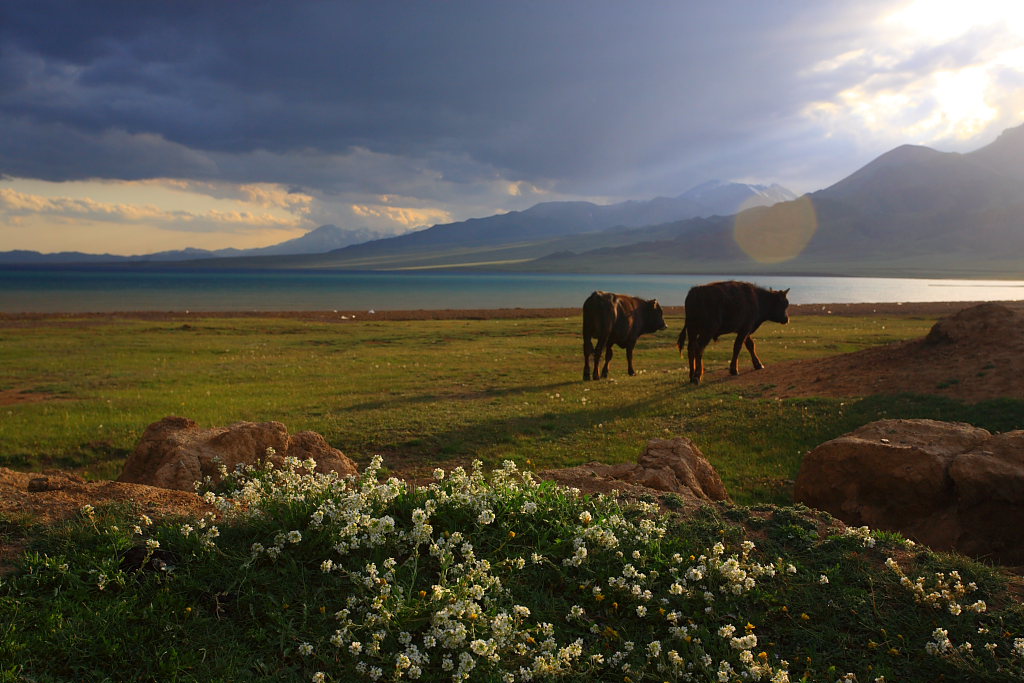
(974, 355)
(930, 308)
(52, 496)
(10, 397)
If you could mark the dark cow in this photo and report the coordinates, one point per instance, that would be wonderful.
(616, 319)
(725, 307)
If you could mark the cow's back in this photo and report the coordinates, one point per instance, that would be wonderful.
(612, 314)
(721, 307)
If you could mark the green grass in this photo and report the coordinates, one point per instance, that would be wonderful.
(443, 393)
(312, 577)
(434, 392)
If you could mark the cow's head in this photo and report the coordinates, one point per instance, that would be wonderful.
(777, 312)
(654, 317)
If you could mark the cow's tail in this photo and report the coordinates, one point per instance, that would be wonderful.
(682, 339)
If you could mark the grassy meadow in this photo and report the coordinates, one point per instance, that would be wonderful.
(486, 574)
(434, 393)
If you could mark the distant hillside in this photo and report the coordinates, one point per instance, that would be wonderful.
(911, 211)
(521, 236)
(325, 238)
(322, 239)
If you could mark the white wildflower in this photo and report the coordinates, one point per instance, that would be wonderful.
(486, 516)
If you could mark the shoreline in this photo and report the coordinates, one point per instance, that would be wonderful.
(923, 308)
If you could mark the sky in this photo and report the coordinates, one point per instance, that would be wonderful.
(135, 127)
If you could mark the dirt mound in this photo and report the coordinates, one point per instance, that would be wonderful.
(974, 355)
(982, 325)
(52, 496)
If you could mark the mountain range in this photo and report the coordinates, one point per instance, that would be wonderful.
(322, 239)
(539, 224)
(913, 211)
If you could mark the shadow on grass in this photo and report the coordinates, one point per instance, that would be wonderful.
(467, 395)
(479, 436)
(995, 415)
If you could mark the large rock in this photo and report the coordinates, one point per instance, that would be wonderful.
(667, 465)
(950, 486)
(175, 452)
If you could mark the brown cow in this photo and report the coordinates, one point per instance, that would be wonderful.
(616, 319)
(724, 307)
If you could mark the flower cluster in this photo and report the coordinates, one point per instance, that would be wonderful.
(426, 597)
(502, 577)
(945, 590)
(863, 533)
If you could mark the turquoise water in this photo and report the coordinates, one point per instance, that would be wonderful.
(105, 289)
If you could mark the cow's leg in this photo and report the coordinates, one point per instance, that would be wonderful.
(629, 358)
(602, 340)
(758, 365)
(588, 351)
(691, 356)
(607, 358)
(695, 350)
(736, 346)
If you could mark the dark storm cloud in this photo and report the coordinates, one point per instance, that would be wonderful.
(579, 97)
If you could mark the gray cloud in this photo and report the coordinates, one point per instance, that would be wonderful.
(438, 101)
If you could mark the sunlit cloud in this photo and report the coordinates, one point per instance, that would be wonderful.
(522, 188)
(933, 71)
(264, 195)
(15, 203)
(403, 216)
(273, 196)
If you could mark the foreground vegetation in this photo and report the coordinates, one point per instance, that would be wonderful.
(314, 579)
(430, 393)
(309, 578)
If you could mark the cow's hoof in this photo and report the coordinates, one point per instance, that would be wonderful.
(733, 372)
(632, 373)
(586, 376)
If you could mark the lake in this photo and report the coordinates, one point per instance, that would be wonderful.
(106, 289)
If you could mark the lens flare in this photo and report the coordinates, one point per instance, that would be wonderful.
(776, 233)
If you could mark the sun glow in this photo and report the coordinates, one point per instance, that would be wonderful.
(778, 233)
(939, 21)
(935, 70)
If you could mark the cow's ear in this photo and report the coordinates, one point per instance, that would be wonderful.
(785, 292)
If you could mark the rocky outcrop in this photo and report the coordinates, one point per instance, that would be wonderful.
(666, 465)
(950, 486)
(175, 452)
